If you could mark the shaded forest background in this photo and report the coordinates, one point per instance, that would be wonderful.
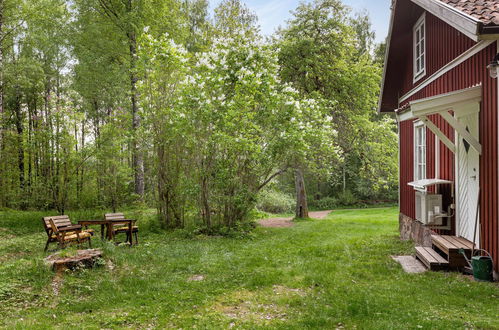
(158, 103)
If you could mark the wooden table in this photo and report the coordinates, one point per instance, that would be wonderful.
(110, 224)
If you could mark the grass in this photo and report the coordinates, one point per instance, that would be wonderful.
(330, 273)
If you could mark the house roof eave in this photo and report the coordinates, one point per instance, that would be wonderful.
(466, 24)
(387, 52)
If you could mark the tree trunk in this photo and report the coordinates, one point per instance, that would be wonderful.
(205, 205)
(344, 178)
(2, 202)
(301, 195)
(81, 171)
(1, 66)
(124, 22)
(30, 147)
(20, 146)
(138, 158)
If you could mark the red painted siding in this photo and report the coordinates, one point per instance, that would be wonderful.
(443, 44)
(446, 46)
(407, 194)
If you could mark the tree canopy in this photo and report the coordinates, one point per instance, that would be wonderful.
(115, 103)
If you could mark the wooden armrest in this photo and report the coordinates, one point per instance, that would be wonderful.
(70, 228)
(126, 221)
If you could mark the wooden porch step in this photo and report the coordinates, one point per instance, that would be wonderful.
(431, 259)
(450, 245)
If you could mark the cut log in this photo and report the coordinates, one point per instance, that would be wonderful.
(82, 259)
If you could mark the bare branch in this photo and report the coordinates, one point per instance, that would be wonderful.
(111, 14)
(271, 178)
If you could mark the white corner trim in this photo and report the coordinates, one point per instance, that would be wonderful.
(449, 66)
(466, 24)
(437, 158)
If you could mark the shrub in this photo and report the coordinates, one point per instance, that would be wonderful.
(275, 202)
(347, 198)
(326, 203)
(343, 199)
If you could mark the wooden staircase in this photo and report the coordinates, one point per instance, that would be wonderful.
(444, 253)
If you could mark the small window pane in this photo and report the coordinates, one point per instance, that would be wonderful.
(419, 49)
(420, 152)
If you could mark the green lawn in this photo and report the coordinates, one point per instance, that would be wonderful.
(318, 274)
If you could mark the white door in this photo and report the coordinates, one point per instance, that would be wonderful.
(467, 172)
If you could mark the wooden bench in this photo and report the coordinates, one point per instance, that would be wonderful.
(60, 230)
(122, 227)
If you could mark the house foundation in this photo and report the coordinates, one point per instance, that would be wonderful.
(414, 230)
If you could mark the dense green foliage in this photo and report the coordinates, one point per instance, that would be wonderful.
(332, 273)
(273, 201)
(110, 103)
(324, 52)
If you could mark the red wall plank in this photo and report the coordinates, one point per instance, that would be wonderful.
(444, 43)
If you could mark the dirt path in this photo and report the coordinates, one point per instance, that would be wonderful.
(288, 222)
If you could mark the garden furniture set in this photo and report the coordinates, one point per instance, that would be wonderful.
(60, 230)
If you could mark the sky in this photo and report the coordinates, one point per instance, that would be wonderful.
(273, 13)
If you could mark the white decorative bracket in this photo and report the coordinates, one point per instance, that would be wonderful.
(461, 129)
(432, 127)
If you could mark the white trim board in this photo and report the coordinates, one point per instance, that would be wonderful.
(446, 101)
(466, 24)
(449, 66)
(441, 102)
(406, 115)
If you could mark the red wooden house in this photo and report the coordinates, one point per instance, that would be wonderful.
(440, 79)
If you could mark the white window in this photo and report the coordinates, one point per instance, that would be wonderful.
(419, 40)
(419, 151)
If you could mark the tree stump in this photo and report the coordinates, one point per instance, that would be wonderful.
(82, 259)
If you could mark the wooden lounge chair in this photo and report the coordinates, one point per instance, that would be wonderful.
(60, 230)
(122, 228)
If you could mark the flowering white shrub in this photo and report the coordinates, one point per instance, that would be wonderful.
(223, 126)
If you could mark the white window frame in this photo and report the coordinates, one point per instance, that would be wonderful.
(420, 156)
(419, 48)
